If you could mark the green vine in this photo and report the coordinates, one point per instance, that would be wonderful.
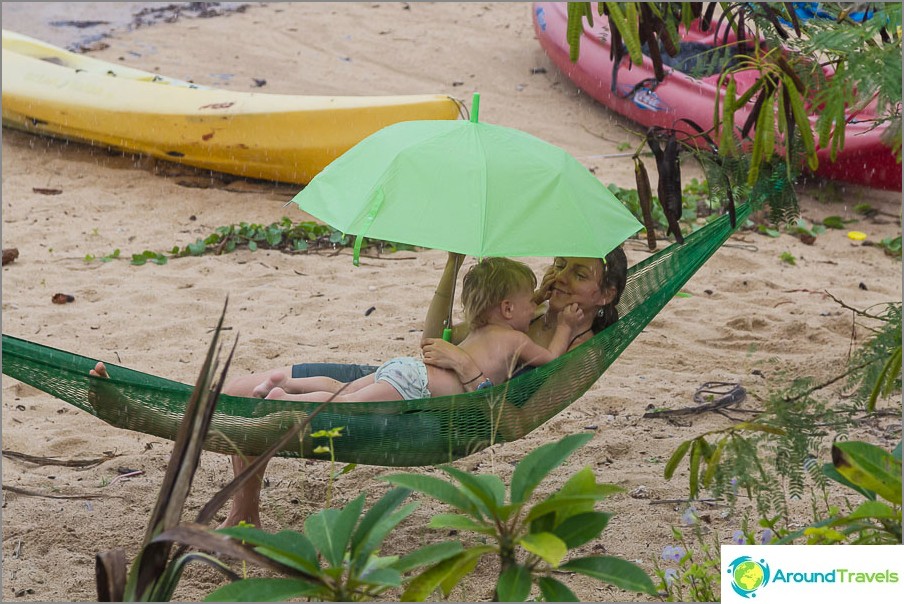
(285, 236)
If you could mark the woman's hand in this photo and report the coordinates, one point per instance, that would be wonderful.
(439, 353)
(544, 290)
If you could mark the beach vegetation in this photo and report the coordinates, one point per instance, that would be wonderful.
(335, 558)
(800, 444)
(788, 258)
(530, 542)
(891, 246)
(690, 572)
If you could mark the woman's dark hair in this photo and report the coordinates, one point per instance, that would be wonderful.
(615, 275)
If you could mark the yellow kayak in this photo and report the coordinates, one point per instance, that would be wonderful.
(51, 91)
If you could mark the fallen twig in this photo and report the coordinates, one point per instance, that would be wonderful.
(126, 475)
(50, 461)
(28, 493)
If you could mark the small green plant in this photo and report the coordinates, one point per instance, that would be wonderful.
(692, 578)
(330, 434)
(864, 209)
(804, 231)
(875, 474)
(891, 246)
(704, 457)
(878, 361)
(531, 541)
(148, 256)
(788, 258)
(336, 558)
(284, 235)
(834, 222)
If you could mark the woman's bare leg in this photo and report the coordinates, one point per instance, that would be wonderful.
(246, 503)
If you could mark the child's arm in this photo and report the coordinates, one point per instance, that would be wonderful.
(531, 353)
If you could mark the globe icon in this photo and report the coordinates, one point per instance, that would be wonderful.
(748, 575)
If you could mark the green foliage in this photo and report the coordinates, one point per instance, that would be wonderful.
(879, 359)
(833, 222)
(891, 246)
(331, 434)
(693, 194)
(695, 577)
(531, 542)
(284, 235)
(788, 258)
(336, 558)
(148, 256)
(107, 258)
(873, 473)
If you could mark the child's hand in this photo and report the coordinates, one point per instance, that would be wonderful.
(544, 290)
(572, 315)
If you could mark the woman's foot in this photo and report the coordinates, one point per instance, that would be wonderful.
(274, 380)
(246, 503)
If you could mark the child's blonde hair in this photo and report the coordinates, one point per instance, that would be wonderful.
(491, 281)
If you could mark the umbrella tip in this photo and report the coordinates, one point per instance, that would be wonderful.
(475, 107)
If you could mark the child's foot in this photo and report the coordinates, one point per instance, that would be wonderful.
(274, 380)
(100, 370)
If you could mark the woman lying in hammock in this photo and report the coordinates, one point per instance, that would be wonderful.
(593, 284)
(498, 299)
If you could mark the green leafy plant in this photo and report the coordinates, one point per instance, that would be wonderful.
(107, 258)
(788, 258)
(873, 473)
(891, 246)
(804, 231)
(704, 457)
(284, 235)
(148, 256)
(834, 222)
(331, 435)
(694, 577)
(336, 557)
(530, 541)
(878, 361)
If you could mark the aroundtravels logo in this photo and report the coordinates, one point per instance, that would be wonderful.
(748, 575)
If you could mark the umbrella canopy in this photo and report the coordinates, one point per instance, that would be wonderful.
(468, 187)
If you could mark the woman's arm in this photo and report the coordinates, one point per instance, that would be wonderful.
(438, 312)
(439, 353)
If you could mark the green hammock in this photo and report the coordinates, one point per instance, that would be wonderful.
(392, 433)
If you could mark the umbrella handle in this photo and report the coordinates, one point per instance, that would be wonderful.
(447, 334)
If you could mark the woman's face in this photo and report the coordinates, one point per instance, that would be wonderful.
(578, 280)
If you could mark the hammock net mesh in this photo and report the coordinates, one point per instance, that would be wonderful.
(393, 433)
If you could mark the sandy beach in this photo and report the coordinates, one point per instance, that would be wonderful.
(748, 317)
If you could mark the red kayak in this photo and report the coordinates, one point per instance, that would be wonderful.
(637, 95)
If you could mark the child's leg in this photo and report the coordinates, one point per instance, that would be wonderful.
(375, 391)
(296, 385)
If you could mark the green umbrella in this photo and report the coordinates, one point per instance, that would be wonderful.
(468, 187)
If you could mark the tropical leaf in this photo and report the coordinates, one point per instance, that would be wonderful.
(615, 571)
(554, 590)
(870, 467)
(263, 590)
(531, 470)
(513, 584)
